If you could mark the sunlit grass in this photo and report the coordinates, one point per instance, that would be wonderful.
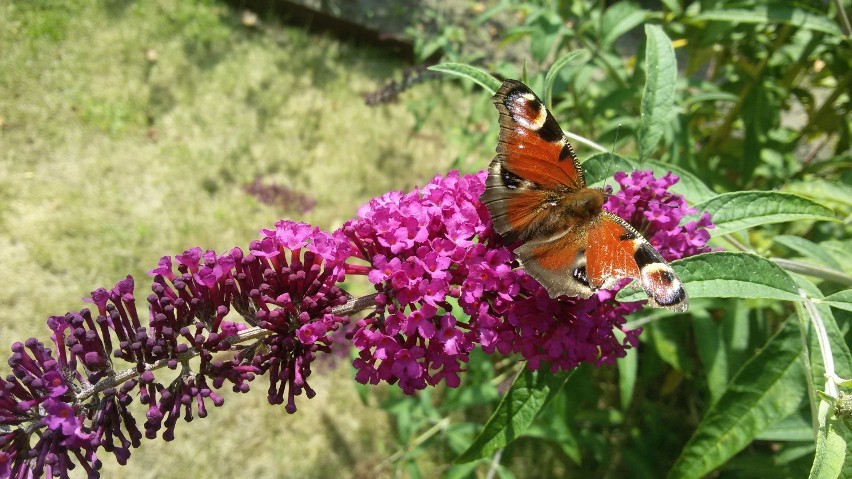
(127, 132)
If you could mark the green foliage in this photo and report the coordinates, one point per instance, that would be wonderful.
(766, 389)
(748, 104)
(658, 94)
(529, 393)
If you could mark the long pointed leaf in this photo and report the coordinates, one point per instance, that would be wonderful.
(658, 94)
(619, 19)
(602, 166)
(530, 392)
(473, 74)
(808, 249)
(768, 388)
(777, 13)
(840, 300)
(831, 447)
(552, 73)
(840, 353)
(746, 209)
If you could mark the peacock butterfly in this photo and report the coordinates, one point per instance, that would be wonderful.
(537, 194)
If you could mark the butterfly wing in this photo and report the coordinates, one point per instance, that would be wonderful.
(533, 159)
(598, 255)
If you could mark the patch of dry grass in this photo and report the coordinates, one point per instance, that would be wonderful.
(127, 132)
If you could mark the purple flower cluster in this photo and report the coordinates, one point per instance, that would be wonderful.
(285, 285)
(432, 253)
(421, 247)
(647, 204)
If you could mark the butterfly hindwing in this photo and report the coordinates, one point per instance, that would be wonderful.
(559, 264)
(599, 255)
(617, 251)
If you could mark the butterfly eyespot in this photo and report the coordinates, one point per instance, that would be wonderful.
(676, 298)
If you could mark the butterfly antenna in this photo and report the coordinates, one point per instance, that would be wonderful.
(612, 152)
(617, 131)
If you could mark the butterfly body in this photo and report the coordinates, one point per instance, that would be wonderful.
(537, 195)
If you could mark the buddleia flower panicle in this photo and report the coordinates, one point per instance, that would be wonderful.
(57, 410)
(447, 284)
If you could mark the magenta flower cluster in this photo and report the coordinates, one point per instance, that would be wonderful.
(444, 284)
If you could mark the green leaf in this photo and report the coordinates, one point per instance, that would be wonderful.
(673, 5)
(830, 444)
(840, 300)
(530, 392)
(832, 193)
(628, 367)
(557, 432)
(619, 19)
(841, 250)
(658, 94)
(553, 72)
(831, 448)
(474, 74)
(746, 209)
(778, 13)
(709, 96)
(710, 346)
(668, 340)
(754, 106)
(600, 168)
(460, 471)
(793, 428)
(767, 388)
(726, 274)
(808, 249)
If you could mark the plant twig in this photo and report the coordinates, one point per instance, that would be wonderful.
(813, 270)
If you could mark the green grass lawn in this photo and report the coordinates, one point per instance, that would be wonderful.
(128, 131)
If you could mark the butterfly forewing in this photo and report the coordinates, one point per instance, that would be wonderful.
(531, 144)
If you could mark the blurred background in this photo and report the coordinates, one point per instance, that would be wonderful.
(134, 130)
